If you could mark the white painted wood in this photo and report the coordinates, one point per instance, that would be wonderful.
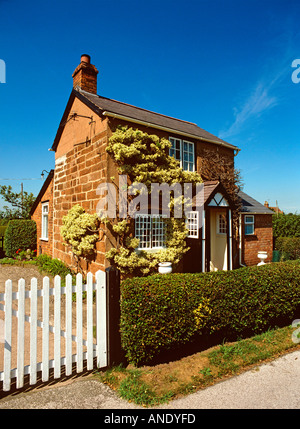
(68, 316)
(98, 350)
(101, 319)
(45, 350)
(21, 334)
(79, 365)
(57, 322)
(89, 321)
(33, 331)
(203, 241)
(7, 335)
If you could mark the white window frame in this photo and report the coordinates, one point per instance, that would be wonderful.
(222, 229)
(249, 223)
(192, 224)
(45, 218)
(183, 152)
(155, 239)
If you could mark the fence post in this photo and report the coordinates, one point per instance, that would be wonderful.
(115, 354)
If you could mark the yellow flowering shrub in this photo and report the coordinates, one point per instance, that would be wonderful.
(80, 231)
(145, 159)
(201, 313)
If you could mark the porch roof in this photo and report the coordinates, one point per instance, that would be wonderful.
(210, 189)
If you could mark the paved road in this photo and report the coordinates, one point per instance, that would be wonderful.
(270, 386)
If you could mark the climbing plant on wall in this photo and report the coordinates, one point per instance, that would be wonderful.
(80, 232)
(145, 159)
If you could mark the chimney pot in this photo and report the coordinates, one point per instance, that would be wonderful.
(85, 58)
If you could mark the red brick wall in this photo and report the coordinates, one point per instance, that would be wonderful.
(44, 246)
(76, 178)
(261, 240)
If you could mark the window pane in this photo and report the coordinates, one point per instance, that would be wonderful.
(222, 224)
(143, 231)
(192, 224)
(45, 211)
(249, 219)
(249, 229)
(150, 231)
(158, 232)
(188, 156)
(175, 149)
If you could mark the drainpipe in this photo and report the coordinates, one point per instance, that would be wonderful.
(230, 239)
(203, 241)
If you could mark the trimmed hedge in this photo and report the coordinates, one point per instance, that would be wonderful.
(162, 312)
(2, 230)
(20, 234)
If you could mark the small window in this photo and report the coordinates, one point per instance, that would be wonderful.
(192, 223)
(222, 223)
(45, 220)
(249, 225)
(150, 230)
(183, 151)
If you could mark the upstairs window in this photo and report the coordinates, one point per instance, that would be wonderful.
(249, 225)
(184, 152)
(45, 220)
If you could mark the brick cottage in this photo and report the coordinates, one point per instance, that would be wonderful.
(82, 163)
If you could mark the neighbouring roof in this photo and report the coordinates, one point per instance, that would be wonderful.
(42, 191)
(251, 206)
(102, 105)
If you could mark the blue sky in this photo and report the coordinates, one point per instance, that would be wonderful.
(225, 65)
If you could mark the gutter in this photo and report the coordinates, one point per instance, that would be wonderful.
(170, 130)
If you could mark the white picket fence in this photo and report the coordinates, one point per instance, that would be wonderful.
(86, 348)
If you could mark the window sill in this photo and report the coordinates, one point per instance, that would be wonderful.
(157, 249)
(44, 239)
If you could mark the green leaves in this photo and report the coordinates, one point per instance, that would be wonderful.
(286, 225)
(20, 235)
(20, 201)
(158, 312)
(145, 159)
(80, 231)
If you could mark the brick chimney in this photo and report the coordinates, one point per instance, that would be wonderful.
(266, 204)
(85, 75)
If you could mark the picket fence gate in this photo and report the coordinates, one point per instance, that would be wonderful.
(92, 351)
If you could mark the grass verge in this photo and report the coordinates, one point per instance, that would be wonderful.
(150, 386)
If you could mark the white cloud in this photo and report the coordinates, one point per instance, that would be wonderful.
(263, 97)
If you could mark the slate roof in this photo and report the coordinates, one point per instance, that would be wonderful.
(251, 206)
(101, 104)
